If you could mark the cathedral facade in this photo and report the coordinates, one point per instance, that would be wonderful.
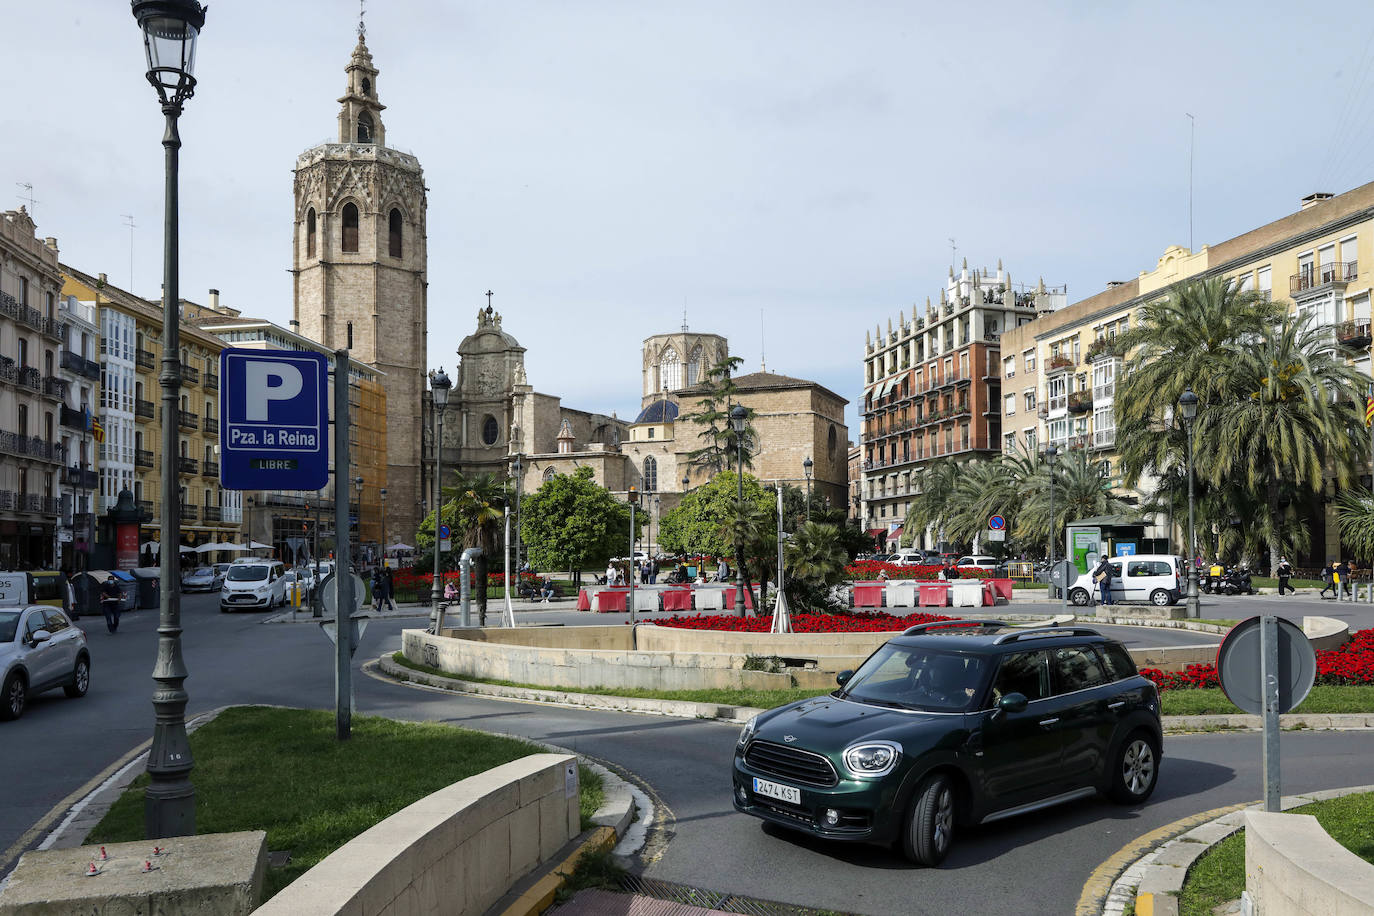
(359, 264)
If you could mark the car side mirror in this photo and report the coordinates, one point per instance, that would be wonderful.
(40, 636)
(1013, 702)
(843, 677)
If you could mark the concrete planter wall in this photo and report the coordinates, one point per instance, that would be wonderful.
(1294, 868)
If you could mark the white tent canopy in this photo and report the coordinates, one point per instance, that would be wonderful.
(398, 546)
(156, 547)
(227, 545)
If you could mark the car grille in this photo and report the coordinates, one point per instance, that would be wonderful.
(790, 763)
(782, 810)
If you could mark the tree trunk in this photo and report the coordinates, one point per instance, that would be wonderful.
(482, 584)
(1277, 528)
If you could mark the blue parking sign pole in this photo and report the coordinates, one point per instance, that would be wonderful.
(343, 549)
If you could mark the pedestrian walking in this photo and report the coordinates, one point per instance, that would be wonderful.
(1329, 580)
(1342, 578)
(723, 571)
(389, 588)
(378, 590)
(1285, 572)
(610, 574)
(110, 596)
(1102, 575)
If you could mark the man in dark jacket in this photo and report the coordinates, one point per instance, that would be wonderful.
(1102, 575)
(110, 596)
(1285, 572)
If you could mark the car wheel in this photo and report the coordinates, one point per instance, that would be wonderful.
(930, 826)
(13, 697)
(1079, 597)
(1161, 598)
(81, 679)
(1135, 770)
(224, 608)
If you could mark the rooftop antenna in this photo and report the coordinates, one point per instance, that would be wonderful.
(129, 221)
(362, 26)
(953, 253)
(684, 314)
(1192, 125)
(763, 348)
(27, 187)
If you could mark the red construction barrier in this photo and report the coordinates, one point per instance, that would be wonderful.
(933, 594)
(730, 599)
(677, 599)
(1003, 587)
(611, 599)
(584, 601)
(868, 594)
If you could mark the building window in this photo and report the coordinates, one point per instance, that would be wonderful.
(364, 128)
(310, 233)
(651, 432)
(367, 87)
(1028, 360)
(491, 430)
(394, 234)
(670, 369)
(650, 474)
(1009, 367)
(1030, 441)
(350, 227)
(1010, 409)
(694, 367)
(831, 443)
(1030, 399)
(550, 474)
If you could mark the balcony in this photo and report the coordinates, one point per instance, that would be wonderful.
(36, 504)
(80, 477)
(190, 376)
(211, 381)
(1353, 335)
(143, 458)
(12, 308)
(1079, 402)
(1337, 273)
(189, 513)
(144, 359)
(30, 447)
(211, 469)
(55, 388)
(187, 420)
(146, 510)
(214, 514)
(212, 425)
(72, 419)
(188, 465)
(143, 410)
(78, 364)
(30, 378)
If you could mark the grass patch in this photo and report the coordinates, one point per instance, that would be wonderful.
(1017, 585)
(1323, 700)
(1219, 876)
(1270, 582)
(760, 699)
(281, 770)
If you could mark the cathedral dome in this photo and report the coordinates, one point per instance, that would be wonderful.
(662, 411)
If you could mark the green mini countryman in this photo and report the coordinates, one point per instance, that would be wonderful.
(954, 723)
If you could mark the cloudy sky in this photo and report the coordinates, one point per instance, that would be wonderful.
(782, 170)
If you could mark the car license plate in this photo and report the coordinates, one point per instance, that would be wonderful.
(789, 794)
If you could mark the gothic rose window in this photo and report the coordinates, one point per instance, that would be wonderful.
(491, 430)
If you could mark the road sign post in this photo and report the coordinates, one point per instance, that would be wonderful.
(343, 549)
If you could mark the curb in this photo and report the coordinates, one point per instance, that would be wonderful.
(1152, 882)
(539, 896)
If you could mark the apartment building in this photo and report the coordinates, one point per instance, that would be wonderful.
(932, 389)
(77, 417)
(1059, 372)
(132, 416)
(31, 394)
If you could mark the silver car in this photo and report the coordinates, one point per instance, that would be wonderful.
(40, 649)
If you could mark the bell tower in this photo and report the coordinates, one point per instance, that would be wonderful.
(359, 262)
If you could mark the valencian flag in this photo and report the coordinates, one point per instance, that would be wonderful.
(93, 427)
(1368, 409)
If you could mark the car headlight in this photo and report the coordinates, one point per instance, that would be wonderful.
(872, 758)
(748, 731)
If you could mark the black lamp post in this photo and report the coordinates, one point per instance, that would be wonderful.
(170, 28)
(1050, 454)
(739, 416)
(439, 385)
(634, 503)
(1187, 409)
(358, 484)
(382, 495)
(807, 465)
(518, 469)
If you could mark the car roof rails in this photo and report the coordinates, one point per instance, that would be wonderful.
(1045, 633)
(946, 624)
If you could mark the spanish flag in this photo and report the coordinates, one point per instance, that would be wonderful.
(97, 431)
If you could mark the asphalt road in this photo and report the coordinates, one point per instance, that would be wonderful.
(61, 743)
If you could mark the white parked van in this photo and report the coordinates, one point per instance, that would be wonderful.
(253, 585)
(1156, 578)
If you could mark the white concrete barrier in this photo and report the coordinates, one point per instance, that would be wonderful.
(457, 851)
(900, 594)
(709, 599)
(647, 599)
(1294, 868)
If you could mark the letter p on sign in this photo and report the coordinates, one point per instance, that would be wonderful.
(266, 382)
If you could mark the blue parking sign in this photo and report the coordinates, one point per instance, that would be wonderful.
(274, 420)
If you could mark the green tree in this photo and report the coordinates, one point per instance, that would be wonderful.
(572, 522)
(1355, 514)
(815, 556)
(1080, 491)
(933, 505)
(697, 524)
(473, 507)
(718, 451)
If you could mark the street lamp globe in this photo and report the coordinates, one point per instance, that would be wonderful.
(1187, 405)
(170, 29)
(439, 384)
(739, 416)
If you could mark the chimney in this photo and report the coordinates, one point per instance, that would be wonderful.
(50, 242)
(214, 300)
(104, 280)
(1311, 200)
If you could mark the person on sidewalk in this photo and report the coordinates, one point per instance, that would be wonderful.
(1342, 578)
(547, 590)
(388, 589)
(110, 596)
(378, 590)
(1102, 575)
(1328, 580)
(1285, 572)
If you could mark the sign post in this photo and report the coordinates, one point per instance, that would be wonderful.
(274, 420)
(997, 528)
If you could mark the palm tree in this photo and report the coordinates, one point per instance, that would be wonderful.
(476, 505)
(934, 504)
(1081, 490)
(815, 559)
(1355, 511)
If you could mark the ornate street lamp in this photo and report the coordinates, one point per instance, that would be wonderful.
(739, 416)
(382, 494)
(358, 483)
(1187, 410)
(807, 465)
(634, 502)
(170, 28)
(518, 468)
(439, 385)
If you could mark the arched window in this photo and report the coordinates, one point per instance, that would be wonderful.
(310, 233)
(550, 474)
(491, 430)
(694, 368)
(350, 227)
(367, 87)
(670, 369)
(395, 234)
(650, 474)
(364, 128)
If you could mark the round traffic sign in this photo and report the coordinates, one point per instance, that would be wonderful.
(444, 532)
(997, 523)
(1239, 662)
(329, 593)
(1063, 574)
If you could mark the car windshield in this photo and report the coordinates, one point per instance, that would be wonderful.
(9, 625)
(200, 574)
(247, 573)
(903, 677)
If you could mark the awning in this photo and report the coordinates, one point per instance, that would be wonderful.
(896, 533)
(876, 532)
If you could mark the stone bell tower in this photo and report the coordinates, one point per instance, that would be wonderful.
(359, 263)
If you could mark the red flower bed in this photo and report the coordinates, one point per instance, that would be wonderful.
(856, 622)
(869, 570)
(1352, 663)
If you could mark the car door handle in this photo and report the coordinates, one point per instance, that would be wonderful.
(1116, 704)
(1049, 721)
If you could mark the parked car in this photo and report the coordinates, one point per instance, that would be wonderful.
(1156, 578)
(202, 579)
(40, 649)
(39, 587)
(252, 585)
(952, 725)
(976, 562)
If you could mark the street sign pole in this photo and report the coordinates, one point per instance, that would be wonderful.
(1269, 681)
(343, 549)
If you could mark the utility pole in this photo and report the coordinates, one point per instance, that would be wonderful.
(343, 550)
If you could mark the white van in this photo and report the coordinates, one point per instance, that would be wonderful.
(252, 585)
(1156, 578)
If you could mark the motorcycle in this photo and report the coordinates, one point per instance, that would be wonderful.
(1236, 581)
